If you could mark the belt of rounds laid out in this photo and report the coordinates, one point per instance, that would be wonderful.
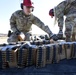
(38, 54)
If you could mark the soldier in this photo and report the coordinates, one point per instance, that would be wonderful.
(22, 20)
(66, 8)
(60, 34)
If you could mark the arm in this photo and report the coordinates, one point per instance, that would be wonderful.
(59, 16)
(13, 23)
(41, 25)
(59, 13)
(14, 27)
(60, 22)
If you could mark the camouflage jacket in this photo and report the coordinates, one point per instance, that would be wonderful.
(65, 8)
(23, 22)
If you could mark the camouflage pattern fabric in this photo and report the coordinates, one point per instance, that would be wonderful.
(66, 8)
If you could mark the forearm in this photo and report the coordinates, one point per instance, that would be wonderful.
(41, 25)
(47, 30)
(60, 23)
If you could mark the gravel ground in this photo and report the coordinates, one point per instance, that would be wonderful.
(3, 40)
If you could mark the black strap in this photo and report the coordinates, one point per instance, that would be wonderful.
(54, 54)
(29, 57)
(48, 50)
(39, 60)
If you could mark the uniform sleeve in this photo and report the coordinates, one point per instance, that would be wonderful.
(59, 13)
(13, 23)
(60, 22)
(41, 25)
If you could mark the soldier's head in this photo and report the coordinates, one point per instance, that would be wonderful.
(27, 6)
(51, 13)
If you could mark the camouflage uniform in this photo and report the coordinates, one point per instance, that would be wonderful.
(66, 8)
(23, 23)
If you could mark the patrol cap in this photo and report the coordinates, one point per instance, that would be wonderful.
(51, 12)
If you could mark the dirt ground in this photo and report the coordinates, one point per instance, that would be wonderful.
(3, 40)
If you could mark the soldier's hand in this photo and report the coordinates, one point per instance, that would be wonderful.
(52, 41)
(60, 34)
(54, 37)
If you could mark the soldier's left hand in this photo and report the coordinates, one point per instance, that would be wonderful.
(54, 37)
